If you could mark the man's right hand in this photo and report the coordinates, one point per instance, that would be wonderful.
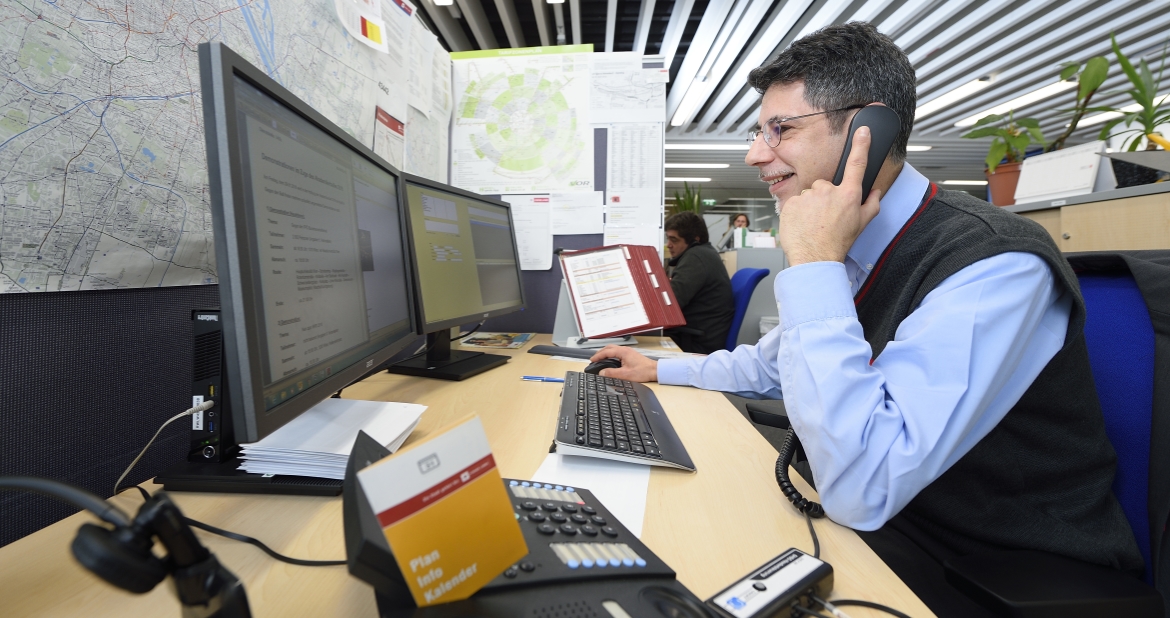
(635, 367)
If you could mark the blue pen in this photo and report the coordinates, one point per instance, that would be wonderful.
(540, 379)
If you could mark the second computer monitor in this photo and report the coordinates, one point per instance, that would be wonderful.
(466, 268)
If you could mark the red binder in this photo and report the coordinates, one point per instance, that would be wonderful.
(620, 289)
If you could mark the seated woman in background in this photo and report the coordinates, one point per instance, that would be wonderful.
(740, 220)
(700, 283)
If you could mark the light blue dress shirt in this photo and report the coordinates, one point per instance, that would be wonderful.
(876, 435)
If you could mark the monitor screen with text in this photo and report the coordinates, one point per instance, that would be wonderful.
(465, 252)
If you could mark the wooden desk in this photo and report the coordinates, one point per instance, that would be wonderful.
(712, 526)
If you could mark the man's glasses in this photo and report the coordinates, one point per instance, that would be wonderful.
(772, 131)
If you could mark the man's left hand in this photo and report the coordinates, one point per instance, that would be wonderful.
(821, 223)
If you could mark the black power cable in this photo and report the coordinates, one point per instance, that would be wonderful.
(245, 539)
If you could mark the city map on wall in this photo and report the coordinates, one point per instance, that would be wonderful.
(103, 174)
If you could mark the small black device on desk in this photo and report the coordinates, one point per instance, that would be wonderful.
(616, 419)
(582, 561)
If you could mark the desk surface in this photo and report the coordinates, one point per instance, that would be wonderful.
(712, 526)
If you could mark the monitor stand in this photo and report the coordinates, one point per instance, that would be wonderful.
(443, 363)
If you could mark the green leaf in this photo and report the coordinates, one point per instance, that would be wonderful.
(982, 132)
(1137, 141)
(1149, 86)
(1031, 123)
(1070, 69)
(998, 150)
(1126, 66)
(1037, 136)
(988, 119)
(1096, 70)
(1019, 143)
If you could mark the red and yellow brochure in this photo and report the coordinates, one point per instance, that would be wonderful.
(446, 514)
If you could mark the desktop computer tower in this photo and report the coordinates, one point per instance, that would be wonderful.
(211, 431)
(213, 462)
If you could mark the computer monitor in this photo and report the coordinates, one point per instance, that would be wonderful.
(314, 280)
(466, 269)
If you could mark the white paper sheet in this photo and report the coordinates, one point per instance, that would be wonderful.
(358, 15)
(523, 121)
(389, 137)
(622, 90)
(426, 146)
(604, 292)
(399, 16)
(532, 216)
(578, 213)
(634, 152)
(317, 443)
(421, 62)
(647, 236)
(620, 486)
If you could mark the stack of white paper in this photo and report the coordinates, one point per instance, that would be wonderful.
(317, 443)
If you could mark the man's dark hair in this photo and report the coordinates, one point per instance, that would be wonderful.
(689, 226)
(844, 65)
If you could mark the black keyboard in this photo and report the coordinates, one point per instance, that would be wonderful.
(616, 419)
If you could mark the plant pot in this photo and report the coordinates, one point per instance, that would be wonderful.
(1131, 174)
(1002, 183)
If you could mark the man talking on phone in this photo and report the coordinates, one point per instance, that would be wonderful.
(930, 350)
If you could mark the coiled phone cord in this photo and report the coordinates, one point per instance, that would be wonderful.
(787, 451)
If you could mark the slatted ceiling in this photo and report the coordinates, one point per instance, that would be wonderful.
(949, 42)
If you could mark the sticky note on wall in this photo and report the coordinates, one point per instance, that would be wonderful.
(446, 514)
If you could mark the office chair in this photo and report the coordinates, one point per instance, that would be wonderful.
(1121, 342)
(743, 283)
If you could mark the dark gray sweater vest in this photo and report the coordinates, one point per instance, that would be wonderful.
(1041, 479)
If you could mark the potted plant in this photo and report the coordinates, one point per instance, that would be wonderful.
(689, 201)
(1089, 79)
(1152, 110)
(1011, 138)
(1151, 113)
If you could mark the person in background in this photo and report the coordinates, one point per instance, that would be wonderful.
(740, 220)
(700, 283)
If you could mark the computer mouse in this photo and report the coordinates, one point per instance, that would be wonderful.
(605, 363)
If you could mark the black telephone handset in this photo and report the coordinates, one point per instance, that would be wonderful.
(884, 126)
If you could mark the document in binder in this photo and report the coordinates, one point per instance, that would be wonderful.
(618, 290)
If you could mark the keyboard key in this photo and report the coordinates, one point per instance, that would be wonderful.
(653, 452)
(568, 529)
(588, 510)
(589, 530)
(594, 442)
(607, 531)
(637, 448)
(579, 518)
(536, 516)
(623, 446)
(569, 508)
(546, 529)
(609, 443)
(598, 519)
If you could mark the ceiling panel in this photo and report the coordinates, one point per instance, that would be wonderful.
(1019, 44)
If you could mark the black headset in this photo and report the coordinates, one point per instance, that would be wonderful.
(121, 555)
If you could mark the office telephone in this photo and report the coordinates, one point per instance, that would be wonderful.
(582, 561)
(884, 126)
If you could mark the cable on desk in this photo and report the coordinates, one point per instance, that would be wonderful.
(244, 539)
(808, 612)
(869, 604)
(206, 405)
(816, 542)
(266, 549)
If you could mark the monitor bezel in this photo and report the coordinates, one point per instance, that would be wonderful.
(423, 326)
(238, 288)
